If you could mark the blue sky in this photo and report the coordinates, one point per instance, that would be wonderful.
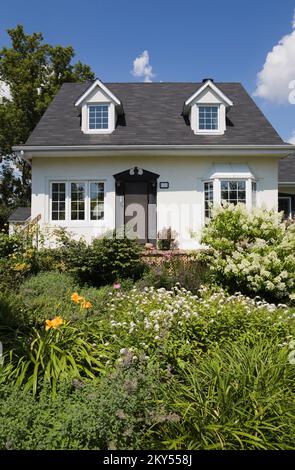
(186, 40)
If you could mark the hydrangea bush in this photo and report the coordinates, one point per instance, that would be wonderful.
(252, 251)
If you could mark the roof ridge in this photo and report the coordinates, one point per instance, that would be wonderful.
(153, 83)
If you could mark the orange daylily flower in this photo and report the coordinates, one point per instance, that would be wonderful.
(54, 323)
(76, 298)
(86, 304)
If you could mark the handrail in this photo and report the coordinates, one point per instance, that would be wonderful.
(35, 220)
(32, 223)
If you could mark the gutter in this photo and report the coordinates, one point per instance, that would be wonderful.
(28, 151)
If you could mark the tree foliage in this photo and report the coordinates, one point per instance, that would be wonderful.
(34, 72)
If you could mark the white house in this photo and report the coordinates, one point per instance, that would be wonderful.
(148, 156)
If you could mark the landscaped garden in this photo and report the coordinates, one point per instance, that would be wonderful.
(107, 347)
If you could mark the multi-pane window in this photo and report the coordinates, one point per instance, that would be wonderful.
(208, 194)
(233, 191)
(208, 118)
(58, 201)
(98, 116)
(96, 201)
(77, 201)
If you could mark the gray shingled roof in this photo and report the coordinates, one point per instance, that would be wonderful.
(153, 115)
(21, 214)
(287, 170)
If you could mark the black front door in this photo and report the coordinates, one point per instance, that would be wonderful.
(136, 210)
(136, 199)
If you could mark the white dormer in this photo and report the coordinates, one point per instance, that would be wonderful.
(207, 109)
(99, 109)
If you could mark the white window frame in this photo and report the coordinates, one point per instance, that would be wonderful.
(81, 182)
(68, 221)
(204, 192)
(217, 190)
(98, 131)
(89, 201)
(208, 131)
(57, 221)
(236, 180)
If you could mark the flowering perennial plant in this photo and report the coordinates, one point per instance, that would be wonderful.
(252, 251)
(81, 300)
(176, 323)
(54, 323)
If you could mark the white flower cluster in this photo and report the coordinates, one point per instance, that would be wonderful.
(150, 315)
(253, 251)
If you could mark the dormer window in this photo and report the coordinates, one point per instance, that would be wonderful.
(206, 109)
(98, 116)
(208, 118)
(100, 109)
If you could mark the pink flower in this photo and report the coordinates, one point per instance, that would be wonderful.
(117, 285)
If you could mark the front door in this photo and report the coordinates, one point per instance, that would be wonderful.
(136, 210)
(136, 202)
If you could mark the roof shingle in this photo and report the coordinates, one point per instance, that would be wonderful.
(287, 170)
(21, 214)
(153, 115)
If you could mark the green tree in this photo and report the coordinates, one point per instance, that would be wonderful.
(34, 72)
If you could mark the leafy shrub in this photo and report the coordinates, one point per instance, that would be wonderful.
(12, 318)
(104, 261)
(110, 413)
(51, 285)
(5, 212)
(9, 244)
(43, 294)
(241, 396)
(252, 252)
(18, 259)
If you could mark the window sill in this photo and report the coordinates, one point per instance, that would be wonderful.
(206, 132)
(78, 223)
(97, 131)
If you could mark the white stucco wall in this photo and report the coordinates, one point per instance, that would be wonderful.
(181, 206)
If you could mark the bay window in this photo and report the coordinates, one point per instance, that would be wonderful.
(231, 190)
(208, 195)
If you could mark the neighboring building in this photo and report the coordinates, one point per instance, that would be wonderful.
(287, 186)
(150, 156)
(19, 219)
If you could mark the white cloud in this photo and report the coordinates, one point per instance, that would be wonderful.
(292, 139)
(142, 67)
(278, 70)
